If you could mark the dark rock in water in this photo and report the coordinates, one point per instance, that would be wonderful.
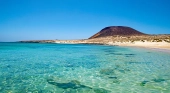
(8, 66)
(158, 80)
(109, 50)
(111, 72)
(126, 55)
(101, 90)
(117, 66)
(129, 54)
(117, 53)
(74, 84)
(126, 69)
(117, 31)
(122, 70)
(139, 62)
(113, 77)
(143, 83)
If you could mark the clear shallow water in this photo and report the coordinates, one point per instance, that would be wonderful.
(69, 68)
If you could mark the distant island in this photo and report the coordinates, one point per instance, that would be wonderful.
(119, 35)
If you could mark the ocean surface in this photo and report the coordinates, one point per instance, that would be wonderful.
(78, 68)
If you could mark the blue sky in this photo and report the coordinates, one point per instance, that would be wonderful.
(79, 19)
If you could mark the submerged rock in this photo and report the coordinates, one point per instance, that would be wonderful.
(117, 67)
(117, 53)
(130, 54)
(112, 71)
(101, 90)
(113, 77)
(74, 84)
(123, 70)
(139, 62)
(143, 83)
(158, 80)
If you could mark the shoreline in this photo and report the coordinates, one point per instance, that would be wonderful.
(157, 46)
(154, 42)
(153, 45)
(164, 50)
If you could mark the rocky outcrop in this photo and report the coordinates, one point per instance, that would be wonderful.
(117, 30)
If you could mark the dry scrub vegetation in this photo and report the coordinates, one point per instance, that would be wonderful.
(105, 40)
(143, 38)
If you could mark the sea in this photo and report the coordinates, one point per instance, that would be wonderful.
(82, 68)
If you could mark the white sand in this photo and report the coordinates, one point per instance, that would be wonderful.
(157, 46)
(160, 46)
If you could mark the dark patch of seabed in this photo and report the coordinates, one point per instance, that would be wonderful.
(75, 85)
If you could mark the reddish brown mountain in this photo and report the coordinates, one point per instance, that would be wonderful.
(117, 30)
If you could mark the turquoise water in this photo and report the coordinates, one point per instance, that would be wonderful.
(77, 68)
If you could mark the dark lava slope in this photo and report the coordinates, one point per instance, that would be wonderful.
(117, 30)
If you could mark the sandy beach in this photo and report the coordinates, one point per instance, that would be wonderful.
(160, 46)
(156, 45)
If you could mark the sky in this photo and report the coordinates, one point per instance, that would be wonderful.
(79, 19)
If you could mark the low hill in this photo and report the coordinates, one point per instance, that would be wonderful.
(117, 30)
